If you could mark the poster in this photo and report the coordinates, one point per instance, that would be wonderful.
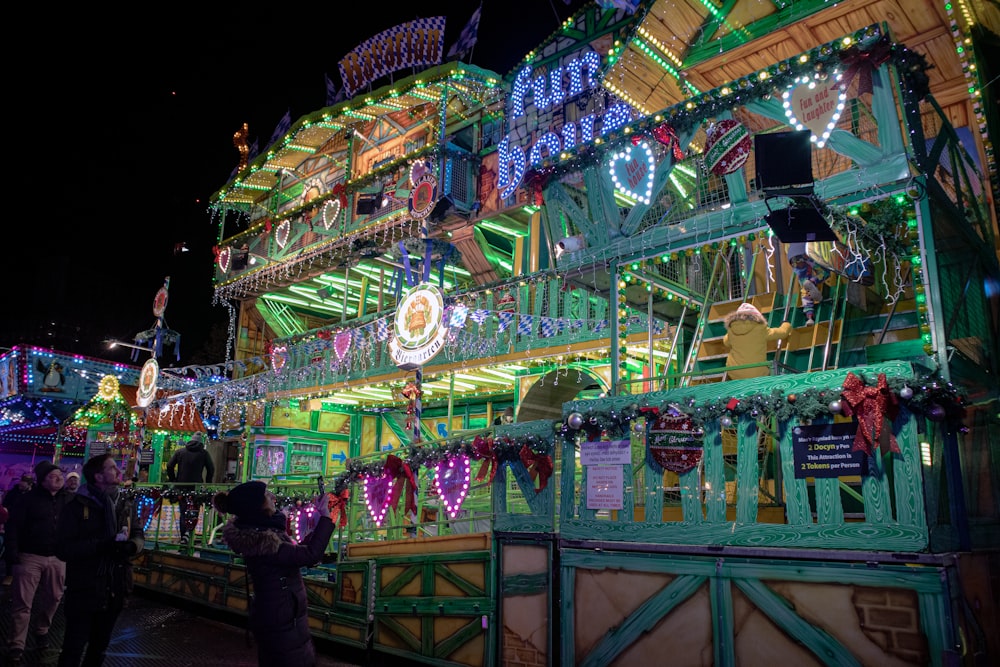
(824, 450)
(605, 490)
(606, 452)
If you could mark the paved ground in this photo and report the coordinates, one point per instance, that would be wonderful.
(153, 632)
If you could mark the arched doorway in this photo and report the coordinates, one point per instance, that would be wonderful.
(545, 398)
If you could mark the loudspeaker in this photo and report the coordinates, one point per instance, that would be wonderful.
(368, 204)
(783, 159)
(797, 225)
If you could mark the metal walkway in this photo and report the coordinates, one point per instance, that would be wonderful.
(154, 632)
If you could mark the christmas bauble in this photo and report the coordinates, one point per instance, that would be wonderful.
(727, 147)
(575, 420)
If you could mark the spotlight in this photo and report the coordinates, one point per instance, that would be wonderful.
(570, 244)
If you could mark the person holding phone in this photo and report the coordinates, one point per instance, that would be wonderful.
(278, 607)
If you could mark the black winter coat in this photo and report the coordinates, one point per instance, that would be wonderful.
(279, 614)
(186, 464)
(32, 528)
(98, 568)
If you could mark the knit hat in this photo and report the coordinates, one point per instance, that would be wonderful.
(246, 500)
(43, 469)
(196, 437)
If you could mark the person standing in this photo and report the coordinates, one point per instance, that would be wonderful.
(811, 277)
(97, 539)
(186, 466)
(746, 339)
(279, 610)
(18, 491)
(72, 482)
(31, 549)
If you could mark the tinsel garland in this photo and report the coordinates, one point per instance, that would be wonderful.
(682, 117)
(930, 396)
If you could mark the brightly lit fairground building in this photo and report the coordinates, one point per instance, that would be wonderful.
(491, 311)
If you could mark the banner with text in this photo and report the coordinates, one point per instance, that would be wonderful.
(825, 450)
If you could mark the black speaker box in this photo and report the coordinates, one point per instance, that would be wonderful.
(783, 159)
(799, 224)
(367, 205)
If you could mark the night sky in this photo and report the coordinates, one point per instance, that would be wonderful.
(120, 148)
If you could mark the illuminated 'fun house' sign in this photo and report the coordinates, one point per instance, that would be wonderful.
(567, 114)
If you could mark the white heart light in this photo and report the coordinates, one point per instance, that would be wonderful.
(225, 255)
(631, 174)
(816, 105)
(282, 232)
(331, 211)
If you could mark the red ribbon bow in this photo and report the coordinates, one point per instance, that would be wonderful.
(667, 136)
(861, 64)
(871, 405)
(215, 251)
(482, 448)
(539, 465)
(402, 478)
(338, 507)
(340, 192)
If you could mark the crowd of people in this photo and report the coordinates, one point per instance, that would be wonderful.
(72, 544)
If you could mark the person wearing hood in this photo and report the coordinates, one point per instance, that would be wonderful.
(187, 466)
(747, 336)
(31, 550)
(98, 539)
(278, 607)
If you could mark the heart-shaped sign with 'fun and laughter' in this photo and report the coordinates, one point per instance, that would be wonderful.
(451, 479)
(225, 256)
(816, 105)
(632, 172)
(377, 496)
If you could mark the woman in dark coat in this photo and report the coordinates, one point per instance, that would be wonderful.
(279, 612)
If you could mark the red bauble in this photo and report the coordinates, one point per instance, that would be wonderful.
(727, 148)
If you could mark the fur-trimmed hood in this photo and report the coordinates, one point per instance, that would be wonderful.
(252, 541)
(745, 313)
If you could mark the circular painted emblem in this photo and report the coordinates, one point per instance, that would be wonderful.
(107, 388)
(423, 196)
(160, 302)
(419, 327)
(147, 383)
(313, 189)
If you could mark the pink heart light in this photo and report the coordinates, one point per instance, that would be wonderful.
(341, 344)
(451, 479)
(279, 355)
(377, 496)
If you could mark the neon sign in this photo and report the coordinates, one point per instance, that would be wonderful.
(562, 85)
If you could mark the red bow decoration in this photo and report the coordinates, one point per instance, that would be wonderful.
(338, 507)
(267, 225)
(324, 334)
(539, 465)
(482, 448)
(402, 477)
(215, 251)
(536, 182)
(667, 136)
(340, 192)
(871, 405)
(861, 64)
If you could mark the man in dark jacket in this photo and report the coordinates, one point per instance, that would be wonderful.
(31, 549)
(186, 466)
(97, 539)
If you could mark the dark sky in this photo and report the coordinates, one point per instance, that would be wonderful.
(120, 148)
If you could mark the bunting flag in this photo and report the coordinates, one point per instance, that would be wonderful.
(479, 315)
(576, 324)
(601, 326)
(382, 329)
(467, 39)
(282, 128)
(331, 91)
(524, 325)
(658, 326)
(547, 327)
(458, 315)
(505, 319)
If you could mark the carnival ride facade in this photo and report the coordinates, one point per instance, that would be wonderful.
(568, 240)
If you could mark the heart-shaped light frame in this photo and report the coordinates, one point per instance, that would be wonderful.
(279, 355)
(461, 466)
(330, 211)
(377, 494)
(225, 256)
(828, 120)
(625, 158)
(282, 232)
